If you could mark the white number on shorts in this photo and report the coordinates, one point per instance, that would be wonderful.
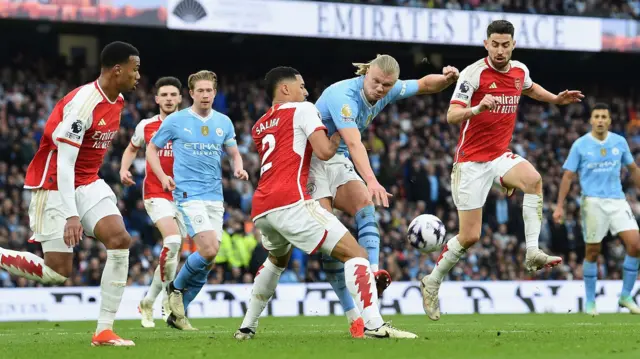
(270, 142)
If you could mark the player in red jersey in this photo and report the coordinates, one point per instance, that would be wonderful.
(158, 202)
(285, 213)
(484, 103)
(67, 195)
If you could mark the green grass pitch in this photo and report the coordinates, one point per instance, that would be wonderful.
(454, 336)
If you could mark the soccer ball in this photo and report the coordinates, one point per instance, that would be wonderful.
(426, 233)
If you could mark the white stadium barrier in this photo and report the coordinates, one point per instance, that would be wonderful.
(317, 299)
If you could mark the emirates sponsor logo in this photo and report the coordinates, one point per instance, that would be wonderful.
(102, 140)
(506, 104)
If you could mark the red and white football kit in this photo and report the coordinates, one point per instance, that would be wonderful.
(483, 154)
(282, 209)
(66, 186)
(158, 202)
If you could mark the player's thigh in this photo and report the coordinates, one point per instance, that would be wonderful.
(624, 224)
(318, 181)
(515, 171)
(470, 223)
(348, 248)
(47, 224)
(349, 191)
(104, 222)
(199, 226)
(595, 221)
(272, 240)
(308, 227)
(162, 213)
(352, 197)
(215, 211)
(470, 184)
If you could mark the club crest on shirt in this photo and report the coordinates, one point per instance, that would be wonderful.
(204, 130)
(219, 132)
(518, 84)
(615, 151)
(603, 152)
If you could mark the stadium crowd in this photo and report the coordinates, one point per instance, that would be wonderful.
(624, 9)
(411, 149)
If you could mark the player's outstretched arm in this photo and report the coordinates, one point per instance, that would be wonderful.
(127, 159)
(565, 97)
(563, 191)
(323, 147)
(436, 83)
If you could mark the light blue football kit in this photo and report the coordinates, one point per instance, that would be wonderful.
(604, 207)
(197, 150)
(344, 105)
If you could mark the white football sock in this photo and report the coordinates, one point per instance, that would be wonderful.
(169, 262)
(362, 286)
(166, 270)
(352, 315)
(532, 215)
(112, 284)
(29, 266)
(264, 286)
(155, 287)
(450, 255)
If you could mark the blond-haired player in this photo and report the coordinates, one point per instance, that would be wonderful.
(158, 202)
(348, 107)
(199, 135)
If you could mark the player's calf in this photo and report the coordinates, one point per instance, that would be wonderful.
(110, 230)
(360, 282)
(631, 239)
(264, 287)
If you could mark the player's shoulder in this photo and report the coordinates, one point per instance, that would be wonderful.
(177, 116)
(147, 121)
(303, 106)
(472, 72)
(84, 93)
(346, 88)
(515, 64)
(221, 117)
(583, 140)
(617, 137)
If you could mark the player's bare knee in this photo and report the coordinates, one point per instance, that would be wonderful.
(119, 240)
(633, 250)
(592, 252)
(467, 240)
(532, 183)
(280, 262)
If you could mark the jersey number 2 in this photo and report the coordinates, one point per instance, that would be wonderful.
(269, 141)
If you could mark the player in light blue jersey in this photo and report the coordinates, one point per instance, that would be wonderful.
(597, 158)
(349, 106)
(198, 135)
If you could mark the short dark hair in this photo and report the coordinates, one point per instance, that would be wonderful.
(276, 75)
(601, 106)
(117, 53)
(168, 81)
(500, 27)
